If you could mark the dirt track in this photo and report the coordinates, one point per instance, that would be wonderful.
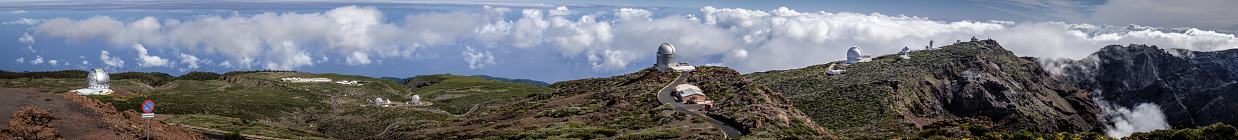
(91, 121)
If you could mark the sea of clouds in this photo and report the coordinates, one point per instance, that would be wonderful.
(744, 39)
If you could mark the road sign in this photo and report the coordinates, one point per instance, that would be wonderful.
(148, 106)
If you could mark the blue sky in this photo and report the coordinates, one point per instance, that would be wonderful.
(564, 40)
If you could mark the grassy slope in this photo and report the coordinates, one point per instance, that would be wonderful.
(244, 126)
(457, 94)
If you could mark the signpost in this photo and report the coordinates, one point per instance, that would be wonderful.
(149, 108)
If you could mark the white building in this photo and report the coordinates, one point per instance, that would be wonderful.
(833, 71)
(306, 80)
(691, 94)
(416, 100)
(96, 83)
(351, 83)
(666, 59)
(379, 102)
(855, 55)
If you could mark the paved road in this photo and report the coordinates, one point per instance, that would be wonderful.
(667, 96)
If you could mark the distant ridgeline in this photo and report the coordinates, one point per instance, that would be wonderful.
(487, 77)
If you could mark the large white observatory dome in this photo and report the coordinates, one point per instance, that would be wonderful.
(666, 57)
(854, 53)
(97, 79)
(666, 49)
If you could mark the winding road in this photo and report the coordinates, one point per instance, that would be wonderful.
(666, 96)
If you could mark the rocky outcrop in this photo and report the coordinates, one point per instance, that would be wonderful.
(891, 96)
(1192, 88)
(33, 123)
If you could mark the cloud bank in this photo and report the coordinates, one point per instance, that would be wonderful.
(605, 41)
(1145, 117)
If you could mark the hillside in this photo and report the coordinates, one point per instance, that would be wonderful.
(458, 94)
(1193, 88)
(624, 107)
(31, 114)
(975, 82)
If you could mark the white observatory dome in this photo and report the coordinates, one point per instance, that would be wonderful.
(854, 53)
(97, 79)
(666, 49)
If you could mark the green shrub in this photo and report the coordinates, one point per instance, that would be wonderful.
(1024, 135)
(569, 111)
(233, 136)
(976, 129)
(646, 134)
(1218, 131)
(569, 129)
(198, 75)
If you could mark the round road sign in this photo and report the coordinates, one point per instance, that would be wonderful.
(148, 106)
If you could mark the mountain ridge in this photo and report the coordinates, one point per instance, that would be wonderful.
(891, 96)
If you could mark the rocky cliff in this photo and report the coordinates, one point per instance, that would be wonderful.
(1193, 88)
(891, 96)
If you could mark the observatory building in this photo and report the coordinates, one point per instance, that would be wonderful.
(855, 55)
(96, 83)
(905, 54)
(416, 100)
(666, 60)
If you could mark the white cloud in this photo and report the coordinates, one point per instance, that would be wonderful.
(1145, 117)
(85, 62)
(145, 60)
(288, 57)
(24, 21)
(111, 61)
(17, 11)
(26, 38)
(36, 61)
(226, 64)
(561, 11)
(191, 60)
(357, 58)
(21, 60)
(477, 59)
(30, 48)
(53, 62)
(747, 40)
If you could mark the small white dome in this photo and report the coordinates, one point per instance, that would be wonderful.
(854, 52)
(666, 49)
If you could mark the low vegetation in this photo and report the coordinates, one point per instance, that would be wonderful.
(244, 126)
(1218, 131)
(653, 133)
(458, 94)
(569, 111)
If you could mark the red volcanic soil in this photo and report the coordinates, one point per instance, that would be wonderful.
(32, 114)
